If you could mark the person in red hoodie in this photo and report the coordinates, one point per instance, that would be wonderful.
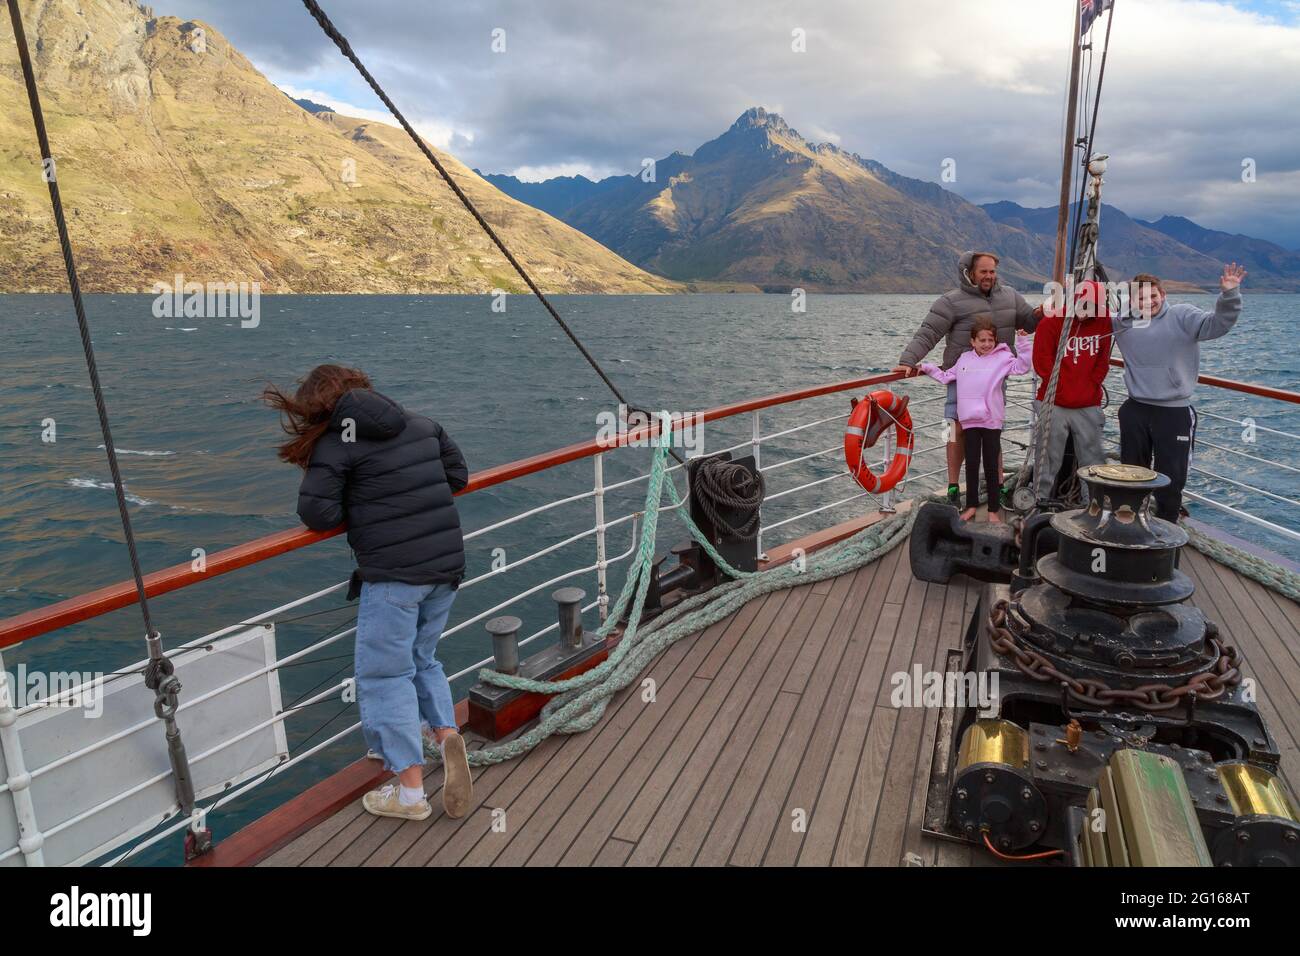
(1077, 409)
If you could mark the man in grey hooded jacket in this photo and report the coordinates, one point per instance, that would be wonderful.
(951, 317)
(1161, 345)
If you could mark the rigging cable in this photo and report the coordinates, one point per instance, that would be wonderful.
(1044, 423)
(1092, 132)
(1075, 215)
(160, 676)
(346, 49)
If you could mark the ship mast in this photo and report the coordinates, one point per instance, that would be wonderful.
(1081, 248)
(1067, 158)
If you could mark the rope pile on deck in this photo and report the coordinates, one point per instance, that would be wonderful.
(581, 701)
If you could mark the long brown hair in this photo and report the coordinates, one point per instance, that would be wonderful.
(308, 411)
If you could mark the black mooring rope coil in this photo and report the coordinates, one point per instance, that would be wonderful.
(726, 484)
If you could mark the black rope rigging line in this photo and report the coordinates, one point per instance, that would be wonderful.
(1092, 132)
(346, 49)
(291, 708)
(722, 484)
(65, 243)
(239, 790)
(1081, 169)
(160, 673)
(1096, 105)
(1040, 435)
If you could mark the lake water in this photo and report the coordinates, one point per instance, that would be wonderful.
(197, 446)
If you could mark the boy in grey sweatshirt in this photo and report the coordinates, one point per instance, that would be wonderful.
(1162, 355)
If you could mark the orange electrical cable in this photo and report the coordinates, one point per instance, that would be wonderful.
(1019, 859)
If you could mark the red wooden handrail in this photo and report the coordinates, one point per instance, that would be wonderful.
(83, 607)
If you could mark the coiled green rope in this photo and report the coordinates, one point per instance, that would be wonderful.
(582, 700)
(1281, 580)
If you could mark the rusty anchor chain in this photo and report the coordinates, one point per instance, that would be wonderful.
(1208, 685)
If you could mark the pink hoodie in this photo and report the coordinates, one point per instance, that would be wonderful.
(979, 384)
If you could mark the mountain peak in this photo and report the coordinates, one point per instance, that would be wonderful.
(310, 106)
(758, 118)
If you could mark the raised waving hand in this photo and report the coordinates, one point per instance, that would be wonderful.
(1232, 276)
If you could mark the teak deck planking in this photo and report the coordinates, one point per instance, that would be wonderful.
(777, 715)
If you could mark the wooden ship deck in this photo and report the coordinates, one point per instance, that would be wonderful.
(783, 707)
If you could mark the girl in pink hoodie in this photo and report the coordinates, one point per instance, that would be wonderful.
(981, 409)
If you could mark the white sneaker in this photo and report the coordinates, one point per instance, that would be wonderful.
(387, 802)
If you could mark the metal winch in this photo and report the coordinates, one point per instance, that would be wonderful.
(1115, 551)
(1104, 680)
(1106, 610)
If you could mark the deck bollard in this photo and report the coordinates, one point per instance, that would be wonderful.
(505, 643)
(569, 601)
(494, 710)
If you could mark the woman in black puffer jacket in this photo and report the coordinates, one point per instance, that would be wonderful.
(390, 475)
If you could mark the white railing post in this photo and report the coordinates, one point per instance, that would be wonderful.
(602, 591)
(30, 838)
(755, 446)
(887, 500)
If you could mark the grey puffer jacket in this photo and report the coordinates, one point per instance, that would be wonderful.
(953, 314)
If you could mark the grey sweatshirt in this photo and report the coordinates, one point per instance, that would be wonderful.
(1162, 357)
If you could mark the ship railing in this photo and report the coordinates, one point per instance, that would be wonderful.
(26, 626)
(1202, 492)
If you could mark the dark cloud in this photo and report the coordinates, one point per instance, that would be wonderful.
(1191, 91)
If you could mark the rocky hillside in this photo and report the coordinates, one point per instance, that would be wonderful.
(1174, 248)
(1267, 262)
(175, 155)
(762, 205)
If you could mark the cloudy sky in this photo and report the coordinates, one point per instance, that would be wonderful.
(1193, 89)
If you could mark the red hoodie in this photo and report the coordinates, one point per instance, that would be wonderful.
(1087, 355)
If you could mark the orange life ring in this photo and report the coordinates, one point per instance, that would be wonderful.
(869, 419)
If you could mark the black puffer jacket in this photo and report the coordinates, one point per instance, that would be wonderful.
(390, 475)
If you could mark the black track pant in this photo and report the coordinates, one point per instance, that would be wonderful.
(1159, 437)
(986, 441)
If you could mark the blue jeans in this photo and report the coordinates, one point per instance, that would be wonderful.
(400, 682)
